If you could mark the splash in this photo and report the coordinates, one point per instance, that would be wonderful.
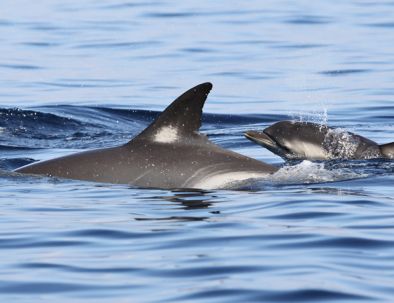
(323, 118)
(338, 143)
(310, 172)
(371, 152)
(306, 172)
(317, 117)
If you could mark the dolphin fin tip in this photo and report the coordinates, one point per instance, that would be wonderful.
(182, 118)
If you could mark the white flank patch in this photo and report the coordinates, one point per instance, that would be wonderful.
(227, 180)
(166, 134)
(312, 151)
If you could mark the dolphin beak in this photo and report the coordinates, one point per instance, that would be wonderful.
(260, 138)
(267, 142)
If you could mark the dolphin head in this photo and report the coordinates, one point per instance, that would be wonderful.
(269, 143)
(292, 140)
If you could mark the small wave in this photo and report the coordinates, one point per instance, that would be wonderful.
(7, 165)
(343, 72)
(311, 172)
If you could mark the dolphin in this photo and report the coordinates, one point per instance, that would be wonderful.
(169, 153)
(305, 140)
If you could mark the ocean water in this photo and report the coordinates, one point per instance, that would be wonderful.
(78, 75)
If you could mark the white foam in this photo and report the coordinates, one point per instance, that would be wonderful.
(304, 173)
(310, 172)
(167, 134)
(338, 143)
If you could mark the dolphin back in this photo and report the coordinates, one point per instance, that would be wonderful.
(387, 150)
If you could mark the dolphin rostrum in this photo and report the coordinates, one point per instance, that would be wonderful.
(305, 140)
(169, 153)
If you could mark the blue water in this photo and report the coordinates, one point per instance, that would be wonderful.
(79, 75)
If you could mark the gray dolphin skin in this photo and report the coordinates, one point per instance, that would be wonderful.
(169, 153)
(305, 140)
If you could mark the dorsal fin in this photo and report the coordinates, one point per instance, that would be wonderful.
(387, 150)
(181, 119)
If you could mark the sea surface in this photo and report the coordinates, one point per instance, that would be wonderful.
(79, 75)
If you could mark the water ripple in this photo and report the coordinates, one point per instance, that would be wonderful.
(79, 75)
(344, 72)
